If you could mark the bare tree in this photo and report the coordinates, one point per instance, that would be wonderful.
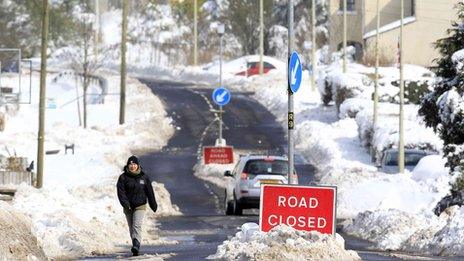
(84, 58)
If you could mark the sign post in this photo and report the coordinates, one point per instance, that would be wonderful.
(294, 81)
(221, 96)
(307, 208)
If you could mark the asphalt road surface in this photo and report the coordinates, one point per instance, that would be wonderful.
(248, 126)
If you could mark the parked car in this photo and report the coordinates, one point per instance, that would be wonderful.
(389, 162)
(253, 68)
(249, 174)
(246, 65)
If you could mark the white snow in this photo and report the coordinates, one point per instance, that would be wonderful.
(282, 243)
(77, 213)
(213, 173)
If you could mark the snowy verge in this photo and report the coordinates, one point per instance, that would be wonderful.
(77, 213)
(213, 173)
(282, 243)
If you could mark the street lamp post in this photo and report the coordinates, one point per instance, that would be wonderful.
(220, 30)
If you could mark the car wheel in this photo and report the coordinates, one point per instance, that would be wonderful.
(237, 208)
(228, 205)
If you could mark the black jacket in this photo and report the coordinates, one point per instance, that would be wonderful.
(135, 191)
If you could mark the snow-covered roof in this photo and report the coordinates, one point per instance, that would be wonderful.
(390, 26)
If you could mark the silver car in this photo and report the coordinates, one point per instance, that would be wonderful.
(389, 162)
(244, 189)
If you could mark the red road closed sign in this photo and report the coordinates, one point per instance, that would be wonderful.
(301, 207)
(218, 155)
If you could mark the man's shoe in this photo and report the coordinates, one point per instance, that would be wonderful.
(135, 251)
(135, 247)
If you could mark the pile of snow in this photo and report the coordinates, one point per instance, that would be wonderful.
(282, 243)
(425, 233)
(77, 213)
(403, 220)
(17, 240)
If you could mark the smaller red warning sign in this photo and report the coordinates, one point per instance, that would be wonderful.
(218, 155)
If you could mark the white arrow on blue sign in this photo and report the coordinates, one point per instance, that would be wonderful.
(294, 72)
(221, 96)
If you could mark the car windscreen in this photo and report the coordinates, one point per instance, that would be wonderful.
(410, 158)
(268, 167)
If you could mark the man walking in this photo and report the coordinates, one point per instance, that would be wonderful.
(134, 192)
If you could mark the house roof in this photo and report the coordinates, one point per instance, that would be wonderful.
(390, 26)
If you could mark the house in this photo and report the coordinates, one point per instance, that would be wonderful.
(425, 21)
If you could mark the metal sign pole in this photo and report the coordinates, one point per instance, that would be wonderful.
(291, 118)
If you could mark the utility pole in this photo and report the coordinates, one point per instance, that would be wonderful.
(401, 138)
(291, 115)
(43, 75)
(122, 105)
(344, 36)
(261, 37)
(313, 47)
(77, 100)
(195, 32)
(376, 94)
(97, 29)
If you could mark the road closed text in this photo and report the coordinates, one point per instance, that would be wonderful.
(300, 222)
(303, 208)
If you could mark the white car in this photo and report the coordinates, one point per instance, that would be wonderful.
(251, 171)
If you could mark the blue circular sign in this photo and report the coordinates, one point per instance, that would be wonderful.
(294, 72)
(221, 96)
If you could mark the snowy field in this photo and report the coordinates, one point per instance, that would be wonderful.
(77, 213)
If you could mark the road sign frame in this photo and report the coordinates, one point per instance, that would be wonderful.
(334, 188)
(295, 57)
(215, 94)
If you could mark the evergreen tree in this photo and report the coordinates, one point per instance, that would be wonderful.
(244, 21)
(443, 108)
(20, 24)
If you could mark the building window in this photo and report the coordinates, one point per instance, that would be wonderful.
(350, 5)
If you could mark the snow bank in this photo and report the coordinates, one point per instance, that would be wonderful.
(425, 233)
(385, 134)
(402, 219)
(77, 213)
(389, 228)
(336, 86)
(214, 173)
(282, 243)
(17, 241)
